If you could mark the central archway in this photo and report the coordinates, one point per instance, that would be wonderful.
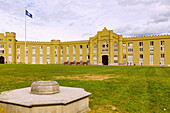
(2, 59)
(105, 59)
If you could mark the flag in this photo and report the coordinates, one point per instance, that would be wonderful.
(28, 14)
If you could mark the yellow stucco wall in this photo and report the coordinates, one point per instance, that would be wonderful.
(105, 35)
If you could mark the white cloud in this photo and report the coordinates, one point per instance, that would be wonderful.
(80, 19)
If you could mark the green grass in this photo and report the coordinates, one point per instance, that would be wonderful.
(128, 89)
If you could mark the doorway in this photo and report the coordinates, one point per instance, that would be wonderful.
(105, 59)
(2, 59)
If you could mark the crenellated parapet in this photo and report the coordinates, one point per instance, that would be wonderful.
(147, 37)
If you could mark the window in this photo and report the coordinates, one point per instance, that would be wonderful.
(74, 58)
(140, 59)
(151, 59)
(55, 50)
(61, 50)
(33, 49)
(140, 46)
(151, 46)
(41, 50)
(115, 59)
(18, 49)
(9, 59)
(55, 59)
(104, 46)
(67, 50)
(124, 59)
(48, 50)
(48, 59)
(94, 60)
(81, 49)
(87, 49)
(26, 49)
(61, 60)
(115, 47)
(1, 40)
(124, 47)
(33, 59)
(162, 59)
(10, 49)
(18, 59)
(41, 60)
(162, 46)
(67, 58)
(81, 59)
(74, 49)
(94, 48)
(26, 60)
(1, 49)
(130, 47)
(88, 58)
(9, 40)
(130, 59)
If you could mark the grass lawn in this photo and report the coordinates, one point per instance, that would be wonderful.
(114, 88)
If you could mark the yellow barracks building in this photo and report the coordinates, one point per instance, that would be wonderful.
(105, 48)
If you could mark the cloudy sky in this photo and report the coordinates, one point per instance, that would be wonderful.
(68, 20)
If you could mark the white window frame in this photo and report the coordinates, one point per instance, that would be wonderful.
(141, 59)
(10, 49)
(67, 50)
(115, 60)
(124, 47)
(33, 59)
(48, 59)
(95, 60)
(162, 46)
(162, 60)
(41, 59)
(151, 46)
(130, 47)
(74, 49)
(48, 50)
(18, 49)
(10, 59)
(115, 47)
(18, 59)
(41, 50)
(140, 46)
(26, 59)
(55, 50)
(95, 48)
(124, 59)
(33, 50)
(130, 59)
(151, 59)
(81, 47)
(61, 50)
(55, 59)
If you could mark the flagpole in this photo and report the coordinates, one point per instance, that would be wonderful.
(25, 33)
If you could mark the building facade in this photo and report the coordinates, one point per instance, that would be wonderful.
(105, 48)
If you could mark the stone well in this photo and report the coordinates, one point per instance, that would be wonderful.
(45, 97)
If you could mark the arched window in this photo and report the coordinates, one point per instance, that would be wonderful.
(94, 48)
(115, 47)
(104, 46)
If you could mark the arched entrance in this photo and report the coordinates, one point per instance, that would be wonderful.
(105, 59)
(2, 60)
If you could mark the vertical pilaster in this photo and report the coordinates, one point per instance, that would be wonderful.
(111, 47)
(91, 51)
(120, 50)
(98, 49)
(52, 52)
(58, 51)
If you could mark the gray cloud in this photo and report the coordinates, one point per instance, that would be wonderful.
(80, 19)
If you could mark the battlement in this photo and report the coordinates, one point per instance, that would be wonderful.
(12, 34)
(146, 37)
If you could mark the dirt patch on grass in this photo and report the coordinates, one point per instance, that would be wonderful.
(88, 77)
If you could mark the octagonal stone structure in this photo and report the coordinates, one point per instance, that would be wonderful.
(68, 100)
(45, 87)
